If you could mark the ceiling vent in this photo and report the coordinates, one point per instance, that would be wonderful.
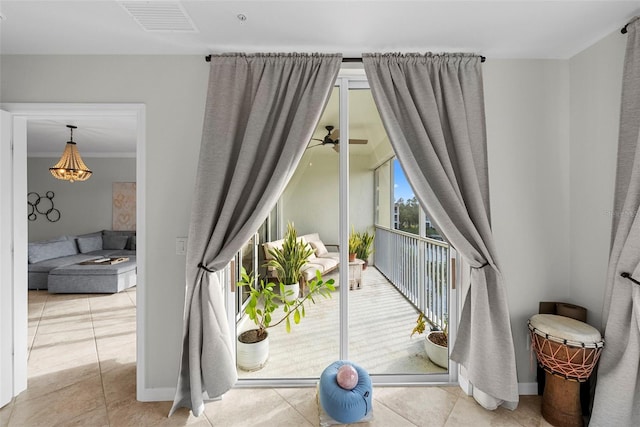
(159, 16)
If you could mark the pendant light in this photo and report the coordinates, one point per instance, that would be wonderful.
(71, 167)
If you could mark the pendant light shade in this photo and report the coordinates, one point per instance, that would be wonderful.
(71, 167)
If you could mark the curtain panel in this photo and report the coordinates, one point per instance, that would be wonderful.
(618, 383)
(260, 114)
(432, 107)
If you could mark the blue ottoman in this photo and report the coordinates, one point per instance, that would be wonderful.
(345, 406)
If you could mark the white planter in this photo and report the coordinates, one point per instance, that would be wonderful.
(437, 353)
(295, 288)
(253, 356)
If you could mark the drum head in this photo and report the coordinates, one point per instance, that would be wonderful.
(565, 330)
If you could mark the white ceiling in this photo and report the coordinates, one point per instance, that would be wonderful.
(495, 29)
(95, 137)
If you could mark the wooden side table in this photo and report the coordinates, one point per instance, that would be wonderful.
(355, 274)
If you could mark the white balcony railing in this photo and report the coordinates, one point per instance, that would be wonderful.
(418, 267)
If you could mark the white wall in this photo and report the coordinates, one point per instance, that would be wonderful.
(311, 199)
(596, 85)
(533, 167)
(84, 206)
(174, 91)
(527, 113)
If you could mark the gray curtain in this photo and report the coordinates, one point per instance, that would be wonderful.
(617, 395)
(261, 112)
(432, 108)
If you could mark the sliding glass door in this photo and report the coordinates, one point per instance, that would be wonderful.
(347, 196)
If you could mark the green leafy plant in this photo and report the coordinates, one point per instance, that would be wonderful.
(289, 260)
(421, 326)
(264, 302)
(365, 245)
(354, 241)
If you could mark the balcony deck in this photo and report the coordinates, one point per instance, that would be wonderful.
(381, 320)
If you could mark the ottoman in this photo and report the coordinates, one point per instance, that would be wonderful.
(88, 279)
(345, 406)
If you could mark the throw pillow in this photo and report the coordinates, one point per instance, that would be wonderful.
(113, 241)
(319, 247)
(89, 244)
(131, 243)
(304, 242)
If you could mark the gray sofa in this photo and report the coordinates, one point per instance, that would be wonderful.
(55, 264)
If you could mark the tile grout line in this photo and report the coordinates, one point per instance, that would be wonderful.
(95, 342)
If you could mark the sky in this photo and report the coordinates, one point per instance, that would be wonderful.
(401, 188)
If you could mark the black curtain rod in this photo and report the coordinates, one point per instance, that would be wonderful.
(482, 58)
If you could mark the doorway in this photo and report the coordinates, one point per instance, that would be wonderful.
(15, 218)
(339, 189)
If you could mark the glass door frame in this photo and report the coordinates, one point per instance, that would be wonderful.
(350, 79)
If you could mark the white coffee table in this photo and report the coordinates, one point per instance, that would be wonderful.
(355, 274)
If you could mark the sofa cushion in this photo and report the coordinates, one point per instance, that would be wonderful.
(43, 251)
(89, 244)
(49, 264)
(319, 247)
(113, 241)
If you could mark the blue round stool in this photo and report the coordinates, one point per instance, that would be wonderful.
(345, 406)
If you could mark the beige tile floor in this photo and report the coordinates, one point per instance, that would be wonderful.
(82, 373)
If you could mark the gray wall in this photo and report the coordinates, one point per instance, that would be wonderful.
(533, 161)
(84, 206)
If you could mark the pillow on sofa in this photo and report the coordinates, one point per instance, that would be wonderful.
(131, 243)
(306, 243)
(271, 245)
(89, 244)
(319, 247)
(113, 241)
(44, 251)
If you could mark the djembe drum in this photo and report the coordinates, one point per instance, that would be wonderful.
(567, 350)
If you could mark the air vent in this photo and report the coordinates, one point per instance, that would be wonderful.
(158, 16)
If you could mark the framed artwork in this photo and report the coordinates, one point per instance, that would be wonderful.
(124, 206)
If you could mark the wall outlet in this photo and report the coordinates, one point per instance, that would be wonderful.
(181, 245)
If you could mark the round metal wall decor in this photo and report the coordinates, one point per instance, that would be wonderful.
(43, 206)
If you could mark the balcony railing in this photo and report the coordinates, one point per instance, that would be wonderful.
(418, 267)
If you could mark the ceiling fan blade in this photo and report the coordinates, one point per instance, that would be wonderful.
(358, 141)
(336, 148)
(335, 134)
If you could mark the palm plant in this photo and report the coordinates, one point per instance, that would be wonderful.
(289, 260)
(365, 246)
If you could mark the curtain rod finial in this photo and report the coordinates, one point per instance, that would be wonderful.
(207, 58)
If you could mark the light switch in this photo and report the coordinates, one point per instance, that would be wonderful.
(181, 245)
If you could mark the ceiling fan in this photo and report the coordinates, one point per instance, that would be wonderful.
(333, 138)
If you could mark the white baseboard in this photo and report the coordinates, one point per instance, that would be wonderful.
(527, 389)
(156, 394)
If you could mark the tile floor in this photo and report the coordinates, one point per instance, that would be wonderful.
(82, 373)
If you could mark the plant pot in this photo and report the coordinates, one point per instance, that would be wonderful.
(295, 288)
(437, 353)
(365, 265)
(251, 356)
(352, 257)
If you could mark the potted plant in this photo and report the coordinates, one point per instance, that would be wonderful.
(354, 243)
(253, 344)
(436, 342)
(289, 260)
(365, 247)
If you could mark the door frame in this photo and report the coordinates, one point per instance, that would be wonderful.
(21, 113)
